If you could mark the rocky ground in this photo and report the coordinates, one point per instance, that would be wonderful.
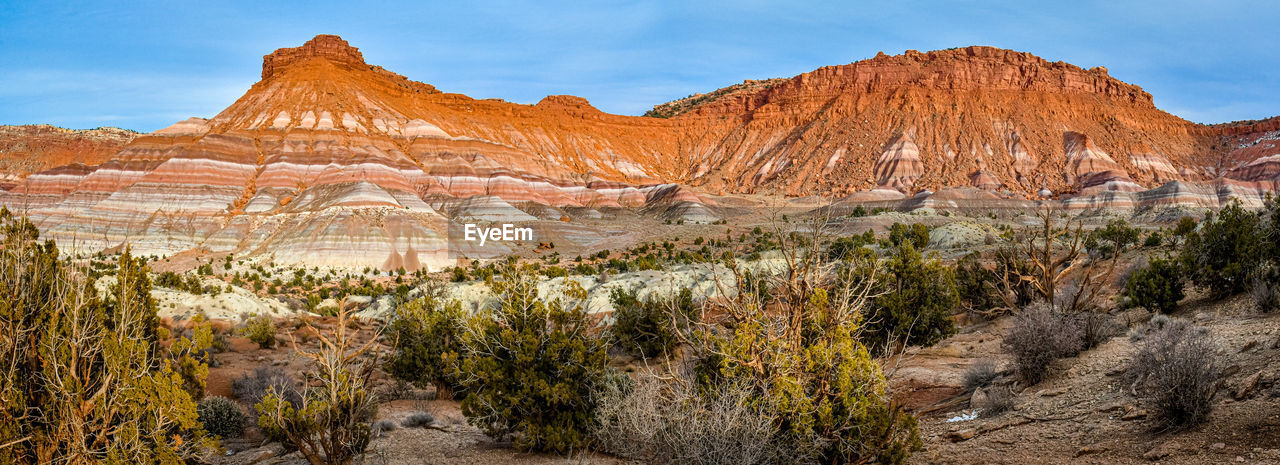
(1085, 411)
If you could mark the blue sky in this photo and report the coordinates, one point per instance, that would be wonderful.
(145, 65)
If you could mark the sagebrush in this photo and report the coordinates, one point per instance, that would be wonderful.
(1039, 336)
(1175, 370)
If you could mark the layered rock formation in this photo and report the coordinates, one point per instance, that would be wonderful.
(331, 161)
(944, 118)
(28, 149)
(1253, 152)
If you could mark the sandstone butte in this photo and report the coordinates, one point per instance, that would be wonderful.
(328, 160)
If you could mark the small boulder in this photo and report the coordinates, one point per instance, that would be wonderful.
(979, 399)
(962, 435)
(1248, 386)
(1133, 414)
(1091, 449)
(1163, 450)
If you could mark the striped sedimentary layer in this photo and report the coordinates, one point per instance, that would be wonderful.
(329, 160)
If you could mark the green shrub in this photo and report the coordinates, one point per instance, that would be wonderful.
(531, 366)
(84, 379)
(649, 328)
(190, 356)
(975, 285)
(1112, 239)
(1155, 239)
(850, 247)
(1157, 288)
(333, 424)
(1186, 225)
(552, 272)
(917, 235)
(1225, 251)
(820, 383)
(221, 417)
(428, 337)
(1271, 234)
(917, 299)
(261, 330)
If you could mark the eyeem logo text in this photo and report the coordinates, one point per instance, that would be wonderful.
(505, 232)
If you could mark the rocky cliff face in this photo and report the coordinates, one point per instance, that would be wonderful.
(1006, 119)
(331, 161)
(1252, 151)
(28, 149)
(329, 47)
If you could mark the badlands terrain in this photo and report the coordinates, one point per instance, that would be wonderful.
(334, 162)
(334, 184)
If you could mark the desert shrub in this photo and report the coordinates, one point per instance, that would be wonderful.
(1012, 262)
(804, 361)
(658, 422)
(1155, 324)
(191, 355)
(382, 427)
(552, 272)
(333, 423)
(1095, 327)
(975, 285)
(1186, 225)
(997, 400)
(221, 417)
(1155, 239)
(1112, 239)
(83, 378)
(1038, 337)
(980, 374)
(1157, 288)
(849, 247)
(221, 341)
(261, 330)
(1265, 288)
(1175, 370)
(418, 420)
(915, 304)
(531, 365)
(252, 388)
(428, 339)
(1271, 228)
(916, 234)
(1226, 249)
(648, 328)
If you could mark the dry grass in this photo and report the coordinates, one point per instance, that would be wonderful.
(660, 422)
